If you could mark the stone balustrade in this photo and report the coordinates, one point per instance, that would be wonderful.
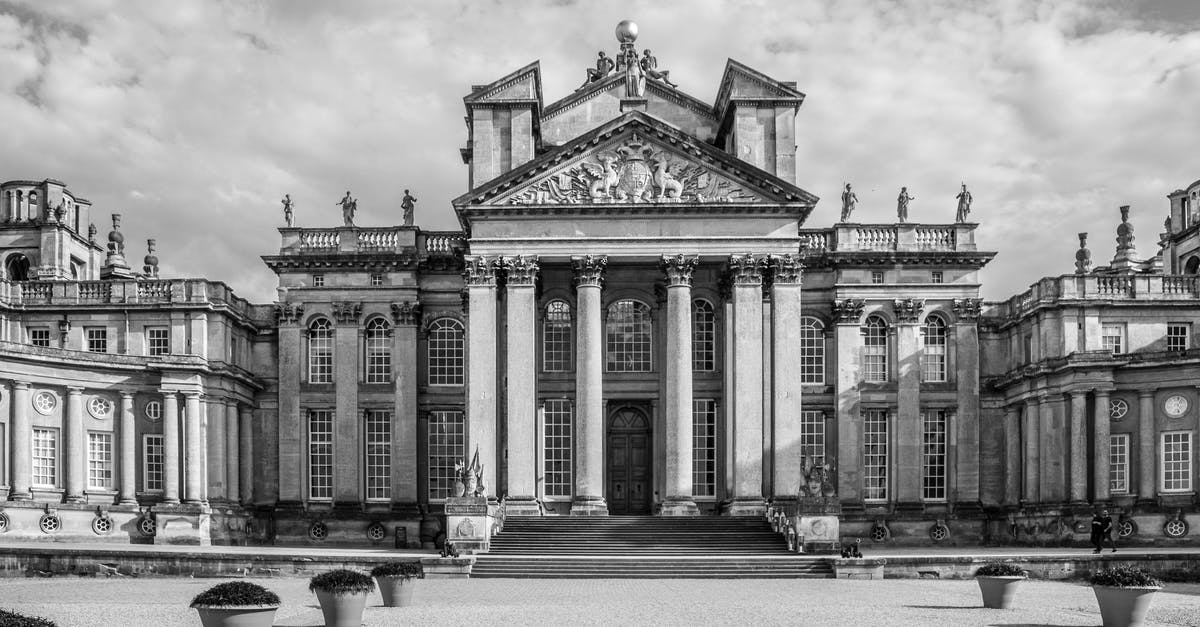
(444, 242)
(889, 237)
(353, 239)
(142, 291)
(1072, 287)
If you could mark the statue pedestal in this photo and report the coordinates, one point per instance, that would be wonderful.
(182, 524)
(817, 524)
(469, 523)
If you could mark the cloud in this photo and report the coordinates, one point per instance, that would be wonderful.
(193, 118)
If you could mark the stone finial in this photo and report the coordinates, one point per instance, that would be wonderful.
(92, 230)
(1083, 256)
(115, 266)
(150, 268)
(1125, 231)
(116, 240)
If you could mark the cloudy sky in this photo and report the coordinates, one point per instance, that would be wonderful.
(194, 118)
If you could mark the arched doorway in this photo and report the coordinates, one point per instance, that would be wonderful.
(629, 453)
(1192, 266)
(16, 267)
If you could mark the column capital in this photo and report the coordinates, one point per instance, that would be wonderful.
(679, 269)
(908, 310)
(786, 269)
(1102, 392)
(406, 313)
(347, 312)
(479, 271)
(1146, 393)
(745, 269)
(189, 394)
(521, 270)
(74, 390)
(20, 385)
(1078, 393)
(1030, 401)
(287, 313)
(126, 394)
(232, 402)
(589, 270)
(967, 309)
(849, 310)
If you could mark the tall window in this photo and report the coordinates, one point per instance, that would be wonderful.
(320, 351)
(1118, 463)
(447, 446)
(1176, 461)
(628, 337)
(320, 455)
(933, 456)
(446, 352)
(933, 358)
(97, 339)
(875, 350)
(378, 353)
(152, 462)
(39, 336)
(556, 337)
(100, 461)
(45, 457)
(1177, 336)
(704, 447)
(704, 336)
(812, 435)
(1112, 338)
(556, 447)
(875, 455)
(379, 455)
(158, 341)
(812, 351)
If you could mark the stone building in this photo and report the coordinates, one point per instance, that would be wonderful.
(636, 317)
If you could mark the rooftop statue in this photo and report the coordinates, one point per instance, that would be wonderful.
(964, 205)
(409, 204)
(902, 204)
(288, 217)
(649, 65)
(604, 67)
(349, 206)
(849, 202)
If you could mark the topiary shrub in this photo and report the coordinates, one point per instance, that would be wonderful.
(402, 570)
(342, 581)
(1000, 569)
(1124, 577)
(9, 618)
(236, 593)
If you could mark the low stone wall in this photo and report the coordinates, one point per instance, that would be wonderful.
(1038, 567)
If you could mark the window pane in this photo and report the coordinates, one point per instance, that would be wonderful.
(446, 352)
(628, 337)
(45, 452)
(1177, 461)
(875, 455)
(704, 337)
(1118, 464)
(152, 459)
(933, 357)
(1112, 338)
(1177, 336)
(39, 337)
(812, 351)
(100, 467)
(556, 447)
(704, 447)
(556, 337)
(97, 339)
(158, 341)
(320, 352)
(875, 350)
(320, 455)
(378, 353)
(812, 436)
(446, 448)
(378, 455)
(933, 456)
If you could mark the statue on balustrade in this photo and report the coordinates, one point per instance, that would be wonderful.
(288, 216)
(902, 204)
(964, 204)
(649, 65)
(409, 204)
(349, 206)
(604, 67)
(849, 202)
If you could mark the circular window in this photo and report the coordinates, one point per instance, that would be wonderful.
(1175, 528)
(1118, 409)
(100, 407)
(318, 531)
(939, 532)
(376, 532)
(50, 523)
(45, 402)
(102, 525)
(147, 526)
(1175, 406)
(154, 411)
(3, 522)
(1126, 528)
(879, 533)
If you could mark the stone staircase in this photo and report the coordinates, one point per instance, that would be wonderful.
(607, 547)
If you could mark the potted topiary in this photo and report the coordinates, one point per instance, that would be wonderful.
(236, 604)
(9, 617)
(1124, 595)
(998, 583)
(392, 577)
(343, 595)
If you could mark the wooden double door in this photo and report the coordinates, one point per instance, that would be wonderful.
(628, 460)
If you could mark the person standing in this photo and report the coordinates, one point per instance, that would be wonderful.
(1102, 527)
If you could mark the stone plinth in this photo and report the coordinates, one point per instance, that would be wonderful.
(468, 523)
(817, 524)
(182, 524)
(859, 568)
(447, 567)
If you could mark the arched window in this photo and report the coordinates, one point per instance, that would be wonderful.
(556, 337)
(378, 353)
(34, 211)
(875, 350)
(628, 337)
(812, 351)
(1193, 266)
(320, 351)
(446, 352)
(17, 267)
(933, 357)
(704, 336)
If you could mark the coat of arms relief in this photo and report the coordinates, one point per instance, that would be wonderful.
(634, 172)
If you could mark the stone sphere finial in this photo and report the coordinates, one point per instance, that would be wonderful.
(150, 262)
(627, 31)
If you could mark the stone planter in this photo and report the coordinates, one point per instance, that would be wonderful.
(1123, 607)
(236, 615)
(998, 591)
(342, 610)
(396, 591)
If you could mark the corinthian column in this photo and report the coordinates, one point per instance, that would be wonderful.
(480, 275)
(589, 395)
(746, 274)
(679, 500)
(521, 374)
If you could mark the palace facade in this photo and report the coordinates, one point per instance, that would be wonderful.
(636, 317)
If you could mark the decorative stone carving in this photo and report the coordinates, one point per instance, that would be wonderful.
(520, 270)
(289, 217)
(964, 205)
(116, 242)
(849, 203)
(818, 480)
(479, 270)
(406, 313)
(908, 309)
(286, 313)
(92, 230)
(745, 269)
(634, 172)
(967, 309)
(786, 269)
(649, 65)
(849, 310)
(349, 206)
(1083, 256)
(589, 270)
(902, 204)
(679, 268)
(347, 313)
(1125, 236)
(409, 205)
(150, 268)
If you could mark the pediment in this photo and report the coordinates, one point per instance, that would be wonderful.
(522, 85)
(637, 160)
(602, 101)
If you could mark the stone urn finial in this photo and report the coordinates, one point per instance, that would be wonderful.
(151, 261)
(1083, 256)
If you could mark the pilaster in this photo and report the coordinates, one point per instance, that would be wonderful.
(407, 316)
(966, 380)
(194, 458)
(1012, 455)
(787, 273)
(246, 456)
(746, 276)
(521, 274)
(291, 424)
(231, 445)
(347, 423)
(1030, 492)
(480, 276)
(1054, 448)
(848, 316)
(589, 394)
(21, 439)
(214, 441)
(908, 403)
(1100, 451)
(1146, 440)
(1078, 447)
(74, 456)
(127, 493)
(678, 420)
